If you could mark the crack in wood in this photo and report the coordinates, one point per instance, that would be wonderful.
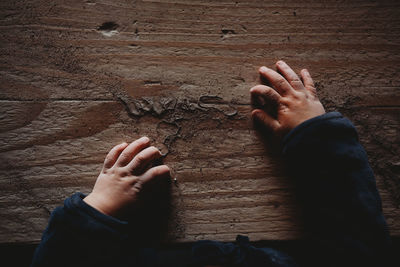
(180, 113)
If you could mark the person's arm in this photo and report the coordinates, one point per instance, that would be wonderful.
(90, 230)
(330, 167)
(338, 189)
(79, 235)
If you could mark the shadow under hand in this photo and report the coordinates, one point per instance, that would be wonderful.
(271, 142)
(149, 223)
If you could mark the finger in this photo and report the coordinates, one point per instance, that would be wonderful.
(289, 75)
(154, 173)
(277, 81)
(307, 80)
(266, 93)
(112, 156)
(265, 119)
(131, 151)
(143, 159)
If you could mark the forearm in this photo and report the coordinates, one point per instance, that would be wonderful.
(77, 233)
(337, 185)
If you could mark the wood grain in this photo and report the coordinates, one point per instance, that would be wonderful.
(77, 78)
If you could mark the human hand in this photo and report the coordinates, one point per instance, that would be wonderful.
(290, 102)
(125, 173)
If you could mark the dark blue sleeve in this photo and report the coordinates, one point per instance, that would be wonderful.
(79, 235)
(336, 185)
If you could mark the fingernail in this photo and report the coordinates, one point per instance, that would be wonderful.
(145, 139)
(263, 69)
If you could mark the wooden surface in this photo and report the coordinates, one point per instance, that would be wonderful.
(77, 77)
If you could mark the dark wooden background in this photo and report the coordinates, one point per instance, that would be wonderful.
(78, 77)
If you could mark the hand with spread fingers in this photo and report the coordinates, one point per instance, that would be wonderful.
(289, 102)
(126, 170)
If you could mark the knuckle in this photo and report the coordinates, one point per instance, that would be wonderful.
(139, 159)
(271, 94)
(296, 81)
(130, 182)
(281, 82)
(110, 171)
(267, 90)
(123, 172)
(137, 187)
(134, 181)
(124, 157)
(286, 101)
(297, 95)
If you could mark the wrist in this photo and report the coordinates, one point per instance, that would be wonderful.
(95, 203)
(303, 127)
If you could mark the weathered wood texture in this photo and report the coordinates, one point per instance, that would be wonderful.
(77, 77)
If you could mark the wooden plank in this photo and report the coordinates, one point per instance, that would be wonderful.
(76, 79)
(225, 176)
